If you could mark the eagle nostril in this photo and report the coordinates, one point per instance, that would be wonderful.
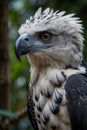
(26, 39)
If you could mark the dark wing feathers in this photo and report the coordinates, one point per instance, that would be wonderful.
(30, 106)
(76, 94)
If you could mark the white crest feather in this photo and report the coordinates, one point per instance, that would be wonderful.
(46, 11)
(61, 13)
(38, 13)
(54, 19)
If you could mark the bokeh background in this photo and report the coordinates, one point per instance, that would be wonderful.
(19, 11)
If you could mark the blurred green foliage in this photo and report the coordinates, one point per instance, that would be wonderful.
(19, 11)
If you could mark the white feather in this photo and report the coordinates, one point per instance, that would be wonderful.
(38, 13)
(61, 13)
(46, 11)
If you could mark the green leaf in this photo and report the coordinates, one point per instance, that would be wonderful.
(7, 113)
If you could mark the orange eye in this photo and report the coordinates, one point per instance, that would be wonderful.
(45, 36)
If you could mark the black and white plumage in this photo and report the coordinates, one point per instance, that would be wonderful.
(30, 105)
(57, 94)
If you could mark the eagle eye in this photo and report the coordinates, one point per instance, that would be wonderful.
(45, 36)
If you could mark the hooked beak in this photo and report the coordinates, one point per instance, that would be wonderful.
(23, 45)
(29, 44)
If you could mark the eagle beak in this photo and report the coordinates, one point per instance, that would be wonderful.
(23, 45)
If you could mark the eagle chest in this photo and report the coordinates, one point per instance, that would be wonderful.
(50, 102)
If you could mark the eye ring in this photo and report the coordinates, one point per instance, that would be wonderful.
(45, 36)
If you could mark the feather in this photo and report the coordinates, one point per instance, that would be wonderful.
(46, 11)
(30, 106)
(61, 13)
(76, 93)
(38, 13)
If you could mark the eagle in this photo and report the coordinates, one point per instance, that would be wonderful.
(57, 90)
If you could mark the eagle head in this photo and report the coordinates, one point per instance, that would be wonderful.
(51, 38)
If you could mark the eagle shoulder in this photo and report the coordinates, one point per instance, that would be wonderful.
(76, 94)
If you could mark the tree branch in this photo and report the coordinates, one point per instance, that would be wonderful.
(8, 120)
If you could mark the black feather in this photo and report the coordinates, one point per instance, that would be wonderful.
(76, 94)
